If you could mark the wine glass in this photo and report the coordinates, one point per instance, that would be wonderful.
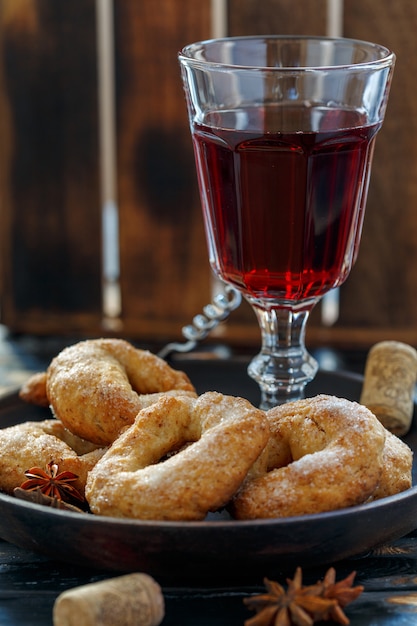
(283, 130)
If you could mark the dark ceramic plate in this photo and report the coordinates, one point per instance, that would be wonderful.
(218, 550)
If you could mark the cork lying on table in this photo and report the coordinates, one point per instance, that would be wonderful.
(389, 381)
(131, 600)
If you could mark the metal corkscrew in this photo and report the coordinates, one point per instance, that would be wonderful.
(203, 323)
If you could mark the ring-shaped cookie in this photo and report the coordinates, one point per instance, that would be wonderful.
(325, 453)
(181, 458)
(97, 387)
(35, 444)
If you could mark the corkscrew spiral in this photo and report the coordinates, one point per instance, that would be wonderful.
(203, 323)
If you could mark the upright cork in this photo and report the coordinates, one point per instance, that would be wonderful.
(389, 383)
(131, 600)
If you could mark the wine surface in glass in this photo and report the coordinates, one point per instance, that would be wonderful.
(283, 210)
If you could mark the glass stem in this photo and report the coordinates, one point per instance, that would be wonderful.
(283, 367)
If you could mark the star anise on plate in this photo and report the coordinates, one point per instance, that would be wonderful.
(51, 482)
(37, 497)
(300, 605)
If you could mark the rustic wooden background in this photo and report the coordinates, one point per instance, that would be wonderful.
(51, 278)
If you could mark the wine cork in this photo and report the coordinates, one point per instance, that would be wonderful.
(131, 600)
(389, 382)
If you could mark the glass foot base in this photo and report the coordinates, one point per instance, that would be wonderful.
(282, 378)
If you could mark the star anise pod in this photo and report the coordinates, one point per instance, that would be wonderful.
(37, 497)
(302, 606)
(342, 591)
(51, 482)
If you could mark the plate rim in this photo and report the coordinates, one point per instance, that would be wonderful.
(213, 523)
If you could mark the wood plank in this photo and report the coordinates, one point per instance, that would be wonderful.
(380, 292)
(280, 17)
(165, 277)
(50, 224)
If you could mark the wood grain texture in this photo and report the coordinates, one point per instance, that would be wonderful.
(279, 17)
(31, 583)
(380, 292)
(165, 277)
(50, 218)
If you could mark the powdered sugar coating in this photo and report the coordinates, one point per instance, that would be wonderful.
(396, 475)
(325, 453)
(97, 387)
(218, 437)
(35, 444)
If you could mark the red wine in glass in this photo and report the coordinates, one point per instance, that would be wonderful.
(284, 210)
